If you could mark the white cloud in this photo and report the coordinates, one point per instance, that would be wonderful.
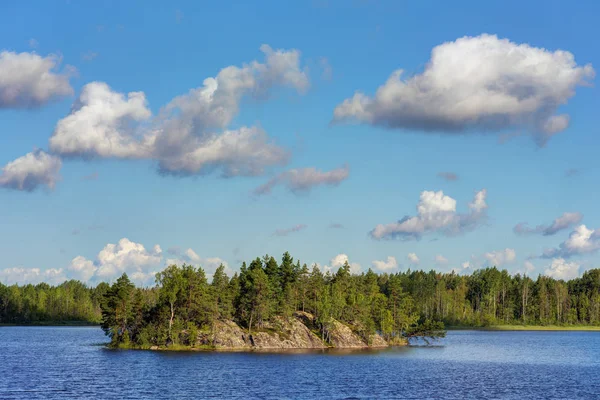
(82, 269)
(30, 171)
(528, 267)
(190, 257)
(413, 259)
(436, 212)
(22, 276)
(189, 135)
(339, 260)
(581, 241)
(386, 265)
(500, 257)
(561, 269)
(476, 85)
(287, 231)
(441, 260)
(565, 221)
(28, 80)
(466, 268)
(100, 125)
(304, 179)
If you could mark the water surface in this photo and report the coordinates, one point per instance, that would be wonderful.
(70, 362)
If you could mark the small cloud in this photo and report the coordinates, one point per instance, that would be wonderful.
(441, 260)
(436, 213)
(91, 177)
(449, 176)
(287, 231)
(386, 265)
(75, 232)
(304, 179)
(500, 257)
(413, 259)
(327, 71)
(33, 43)
(572, 172)
(336, 226)
(89, 56)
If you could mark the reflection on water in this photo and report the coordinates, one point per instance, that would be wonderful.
(63, 362)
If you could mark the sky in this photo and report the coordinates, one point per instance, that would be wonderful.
(394, 135)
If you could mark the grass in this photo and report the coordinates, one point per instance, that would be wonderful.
(528, 328)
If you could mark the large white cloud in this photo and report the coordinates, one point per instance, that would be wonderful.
(561, 269)
(31, 171)
(28, 80)
(565, 221)
(581, 241)
(189, 135)
(102, 124)
(304, 179)
(386, 265)
(436, 212)
(476, 85)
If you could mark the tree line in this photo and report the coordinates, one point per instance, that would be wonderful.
(184, 301)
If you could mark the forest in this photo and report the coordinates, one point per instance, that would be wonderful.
(184, 301)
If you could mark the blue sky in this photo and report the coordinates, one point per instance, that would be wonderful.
(371, 168)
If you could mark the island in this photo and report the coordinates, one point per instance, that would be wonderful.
(284, 304)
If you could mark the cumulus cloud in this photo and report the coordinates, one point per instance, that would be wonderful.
(436, 212)
(565, 221)
(28, 80)
(476, 85)
(413, 259)
(386, 265)
(287, 231)
(500, 257)
(339, 260)
(115, 259)
(581, 241)
(561, 269)
(303, 180)
(189, 135)
(31, 171)
(449, 176)
(102, 124)
(22, 276)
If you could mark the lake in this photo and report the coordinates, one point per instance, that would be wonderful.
(70, 362)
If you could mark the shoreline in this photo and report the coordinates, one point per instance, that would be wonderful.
(527, 328)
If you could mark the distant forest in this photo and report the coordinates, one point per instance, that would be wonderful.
(183, 300)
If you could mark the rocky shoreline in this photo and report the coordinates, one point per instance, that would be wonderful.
(298, 332)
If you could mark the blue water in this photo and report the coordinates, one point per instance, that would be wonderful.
(69, 363)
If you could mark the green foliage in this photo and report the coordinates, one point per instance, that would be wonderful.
(401, 305)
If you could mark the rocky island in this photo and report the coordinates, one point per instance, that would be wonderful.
(268, 305)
